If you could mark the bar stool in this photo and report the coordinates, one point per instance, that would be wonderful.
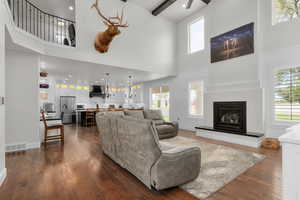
(90, 118)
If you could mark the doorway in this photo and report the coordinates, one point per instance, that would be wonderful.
(160, 100)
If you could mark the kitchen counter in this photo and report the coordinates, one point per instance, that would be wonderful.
(80, 114)
(107, 109)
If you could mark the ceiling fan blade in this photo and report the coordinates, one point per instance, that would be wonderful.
(189, 4)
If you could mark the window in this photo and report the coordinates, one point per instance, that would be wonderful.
(285, 10)
(160, 100)
(287, 94)
(196, 36)
(196, 98)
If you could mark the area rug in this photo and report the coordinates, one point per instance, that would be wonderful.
(219, 165)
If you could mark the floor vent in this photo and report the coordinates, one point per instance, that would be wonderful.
(17, 147)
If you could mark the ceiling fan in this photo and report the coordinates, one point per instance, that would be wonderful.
(166, 3)
(189, 3)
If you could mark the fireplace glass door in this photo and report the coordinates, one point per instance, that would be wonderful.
(230, 116)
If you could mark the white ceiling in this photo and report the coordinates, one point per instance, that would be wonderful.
(176, 12)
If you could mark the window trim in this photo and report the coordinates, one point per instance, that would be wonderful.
(189, 100)
(278, 122)
(273, 17)
(189, 35)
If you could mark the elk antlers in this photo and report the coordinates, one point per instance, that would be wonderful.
(111, 21)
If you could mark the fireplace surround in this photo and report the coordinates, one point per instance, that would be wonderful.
(231, 117)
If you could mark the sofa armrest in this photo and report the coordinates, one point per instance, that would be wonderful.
(176, 166)
(174, 124)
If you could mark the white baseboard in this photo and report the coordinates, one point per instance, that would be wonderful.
(3, 174)
(21, 147)
(33, 146)
(236, 139)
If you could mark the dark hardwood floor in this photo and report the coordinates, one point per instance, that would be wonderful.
(78, 170)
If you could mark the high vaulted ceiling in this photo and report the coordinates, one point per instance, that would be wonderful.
(176, 12)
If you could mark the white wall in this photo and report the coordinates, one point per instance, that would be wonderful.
(281, 35)
(280, 49)
(148, 44)
(245, 78)
(22, 106)
(2, 93)
(232, 80)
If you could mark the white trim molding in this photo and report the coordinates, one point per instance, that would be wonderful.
(21, 147)
(3, 174)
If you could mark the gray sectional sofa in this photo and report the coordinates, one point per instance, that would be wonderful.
(134, 144)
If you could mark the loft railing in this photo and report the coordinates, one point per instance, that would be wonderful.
(48, 27)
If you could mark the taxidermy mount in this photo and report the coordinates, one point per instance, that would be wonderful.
(103, 39)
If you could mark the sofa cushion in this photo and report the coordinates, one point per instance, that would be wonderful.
(158, 122)
(161, 129)
(153, 114)
(165, 146)
(116, 113)
(137, 114)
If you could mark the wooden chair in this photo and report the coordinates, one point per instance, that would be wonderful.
(90, 118)
(60, 127)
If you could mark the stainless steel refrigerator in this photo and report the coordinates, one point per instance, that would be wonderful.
(67, 108)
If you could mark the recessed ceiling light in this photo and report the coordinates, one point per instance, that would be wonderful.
(184, 5)
(71, 8)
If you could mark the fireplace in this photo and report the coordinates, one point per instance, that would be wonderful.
(230, 117)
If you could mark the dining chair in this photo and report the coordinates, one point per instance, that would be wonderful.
(48, 127)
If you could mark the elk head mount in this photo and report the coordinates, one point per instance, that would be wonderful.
(103, 39)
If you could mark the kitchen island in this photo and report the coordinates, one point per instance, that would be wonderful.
(81, 113)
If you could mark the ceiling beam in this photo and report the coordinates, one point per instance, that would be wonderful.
(164, 5)
(206, 1)
(167, 3)
(189, 4)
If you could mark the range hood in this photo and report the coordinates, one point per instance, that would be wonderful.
(97, 91)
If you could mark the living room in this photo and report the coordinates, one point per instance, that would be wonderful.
(222, 73)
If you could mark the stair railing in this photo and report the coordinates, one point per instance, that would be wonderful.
(43, 25)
